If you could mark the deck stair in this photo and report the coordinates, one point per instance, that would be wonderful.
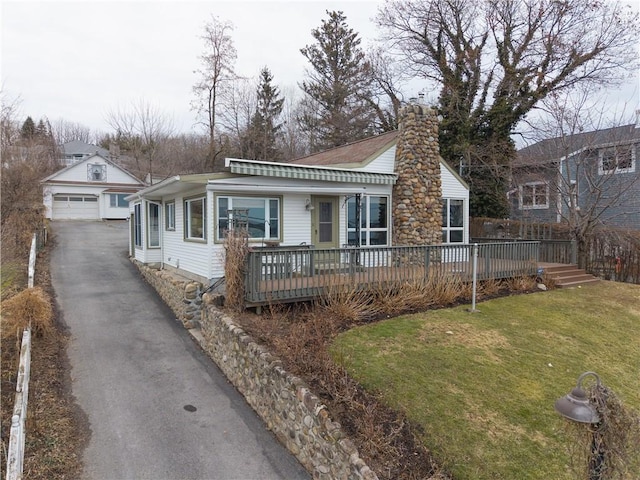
(565, 276)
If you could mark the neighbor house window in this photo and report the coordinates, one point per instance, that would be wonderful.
(534, 195)
(96, 172)
(374, 220)
(619, 159)
(452, 220)
(153, 224)
(117, 200)
(195, 219)
(259, 216)
(137, 225)
(170, 216)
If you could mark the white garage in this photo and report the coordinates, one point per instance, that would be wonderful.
(75, 207)
(92, 189)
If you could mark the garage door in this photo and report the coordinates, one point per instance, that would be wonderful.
(77, 207)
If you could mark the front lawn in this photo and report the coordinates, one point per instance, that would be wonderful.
(482, 385)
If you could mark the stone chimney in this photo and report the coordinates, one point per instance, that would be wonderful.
(417, 210)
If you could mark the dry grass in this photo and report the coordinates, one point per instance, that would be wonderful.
(236, 246)
(300, 335)
(55, 431)
(520, 284)
(30, 308)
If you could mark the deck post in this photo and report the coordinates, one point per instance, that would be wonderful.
(574, 252)
(475, 276)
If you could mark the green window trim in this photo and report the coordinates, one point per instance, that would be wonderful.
(260, 215)
(170, 216)
(195, 219)
(153, 225)
(137, 225)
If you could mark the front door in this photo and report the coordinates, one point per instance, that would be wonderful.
(324, 222)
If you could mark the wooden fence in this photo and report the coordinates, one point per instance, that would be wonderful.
(15, 452)
(287, 274)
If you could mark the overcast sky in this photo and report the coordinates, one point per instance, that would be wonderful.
(78, 60)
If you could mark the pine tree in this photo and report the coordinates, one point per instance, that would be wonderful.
(28, 130)
(265, 123)
(336, 87)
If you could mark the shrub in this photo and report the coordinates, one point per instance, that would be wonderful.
(29, 308)
(236, 246)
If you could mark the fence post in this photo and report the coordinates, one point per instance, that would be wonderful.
(32, 261)
(574, 252)
(475, 276)
(15, 452)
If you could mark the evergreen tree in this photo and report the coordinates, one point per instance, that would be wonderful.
(28, 130)
(336, 87)
(265, 125)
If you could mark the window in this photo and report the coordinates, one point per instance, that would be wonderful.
(118, 200)
(260, 216)
(619, 159)
(534, 195)
(96, 172)
(137, 225)
(374, 224)
(195, 219)
(170, 216)
(153, 224)
(452, 220)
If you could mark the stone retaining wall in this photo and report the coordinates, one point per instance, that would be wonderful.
(184, 296)
(290, 410)
(287, 406)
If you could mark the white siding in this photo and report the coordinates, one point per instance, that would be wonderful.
(384, 163)
(51, 191)
(112, 212)
(78, 173)
(187, 255)
(453, 188)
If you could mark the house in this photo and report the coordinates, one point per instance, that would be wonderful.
(381, 191)
(75, 151)
(593, 174)
(93, 188)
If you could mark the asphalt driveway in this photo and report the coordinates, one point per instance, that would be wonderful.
(158, 407)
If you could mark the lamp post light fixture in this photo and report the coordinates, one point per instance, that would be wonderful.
(577, 407)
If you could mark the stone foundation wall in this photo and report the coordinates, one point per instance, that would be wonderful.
(417, 211)
(290, 410)
(181, 294)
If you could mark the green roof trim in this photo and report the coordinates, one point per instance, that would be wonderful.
(300, 172)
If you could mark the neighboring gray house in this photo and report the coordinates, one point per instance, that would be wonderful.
(588, 173)
(75, 151)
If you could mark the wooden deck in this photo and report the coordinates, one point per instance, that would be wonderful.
(299, 273)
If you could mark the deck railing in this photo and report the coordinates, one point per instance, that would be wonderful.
(299, 273)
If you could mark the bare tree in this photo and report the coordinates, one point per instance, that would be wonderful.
(140, 133)
(386, 89)
(9, 128)
(292, 141)
(65, 131)
(585, 164)
(217, 74)
(235, 116)
(495, 60)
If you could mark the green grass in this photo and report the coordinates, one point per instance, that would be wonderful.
(482, 385)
